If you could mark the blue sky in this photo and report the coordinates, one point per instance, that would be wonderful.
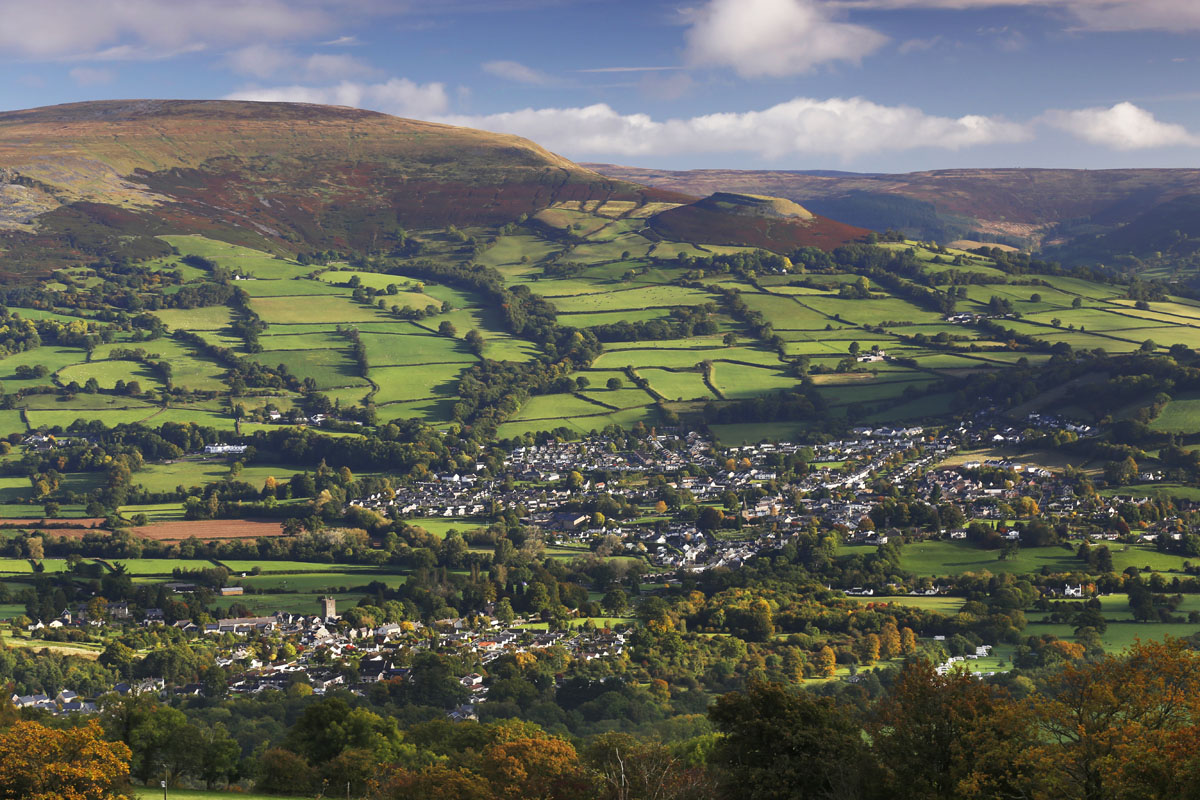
(866, 85)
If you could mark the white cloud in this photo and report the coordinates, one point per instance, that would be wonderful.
(398, 96)
(774, 37)
(343, 41)
(1096, 15)
(91, 76)
(516, 71)
(265, 61)
(803, 126)
(1135, 15)
(1122, 127)
(53, 29)
(142, 52)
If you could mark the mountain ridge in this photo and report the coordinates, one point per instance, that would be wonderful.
(106, 179)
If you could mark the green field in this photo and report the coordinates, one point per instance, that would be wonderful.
(155, 793)
(267, 567)
(107, 373)
(943, 605)
(677, 385)
(954, 558)
(736, 381)
(440, 526)
(400, 349)
(404, 384)
(164, 477)
(1180, 415)
(934, 558)
(315, 582)
(555, 407)
(331, 309)
(160, 566)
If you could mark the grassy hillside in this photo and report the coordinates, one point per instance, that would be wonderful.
(742, 219)
(104, 178)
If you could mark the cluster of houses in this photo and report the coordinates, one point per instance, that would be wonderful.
(379, 651)
(835, 492)
(323, 640)
(664, 453)
(65, 702)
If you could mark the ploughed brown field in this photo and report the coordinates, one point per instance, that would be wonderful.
(206, 530)
(52, 524)
(67, 532)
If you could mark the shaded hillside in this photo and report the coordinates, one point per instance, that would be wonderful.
(1020, 206)
(100, 179)
(771, 223)
(1163, 242)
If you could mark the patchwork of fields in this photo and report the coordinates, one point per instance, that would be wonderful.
(412, 333)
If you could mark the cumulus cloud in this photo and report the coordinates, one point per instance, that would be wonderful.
(146, 28)
(774, 37)
(398, 96)
(803, 126)
(516, 71)
(1097, 15)
(1122, 127)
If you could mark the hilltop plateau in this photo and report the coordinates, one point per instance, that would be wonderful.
(104, 178)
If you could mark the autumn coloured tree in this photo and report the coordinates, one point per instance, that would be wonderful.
(1121, 727)
(908, 642)
(889, 640)
(40, 763)
(437, 781)
(534, 768)
(825, 663)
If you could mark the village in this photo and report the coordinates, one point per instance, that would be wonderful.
(759, 511)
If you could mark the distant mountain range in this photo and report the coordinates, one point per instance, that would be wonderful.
(1112, 216)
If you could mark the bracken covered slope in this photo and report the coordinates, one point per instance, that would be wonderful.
(773, 223)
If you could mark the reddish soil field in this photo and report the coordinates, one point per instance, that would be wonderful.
(48, 524)
(206, 530)
(69, 533)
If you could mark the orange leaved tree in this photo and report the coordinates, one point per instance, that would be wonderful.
(40, 763)
(1120, 728)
